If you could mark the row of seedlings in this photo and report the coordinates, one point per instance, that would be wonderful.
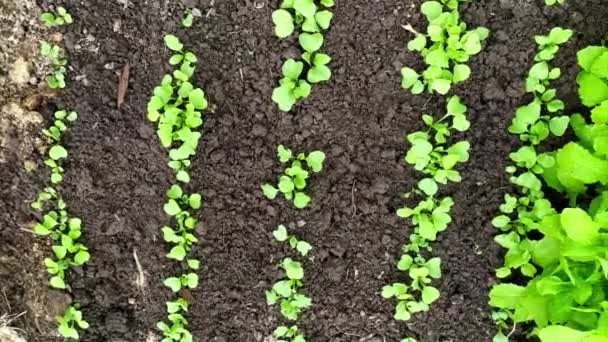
(286, 292)
(445, 47)
(176, 106)
(56, 221)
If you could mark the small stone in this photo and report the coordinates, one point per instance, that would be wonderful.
(20, 72)
(259, 131)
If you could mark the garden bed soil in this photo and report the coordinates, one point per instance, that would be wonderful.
(117, 175)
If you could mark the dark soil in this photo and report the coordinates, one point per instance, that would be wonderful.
(117, 175)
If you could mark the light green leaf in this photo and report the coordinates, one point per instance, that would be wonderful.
(58, 152)
(323, 18)
(305, 7)
(301, 200)
(578, 225)
(269, 191)
(315, 160)
(506, 296)
(428, 186)
(429, 294)
(283, 23)
(311, 42)
(173, 283)
(173, 43)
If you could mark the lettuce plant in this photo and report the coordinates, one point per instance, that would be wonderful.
(175, 107)
(312, 18)
(556, 251)
(56, 18)
(57, 223)
(56, 57)
(445, 47)
(431, 154)
(292, 182)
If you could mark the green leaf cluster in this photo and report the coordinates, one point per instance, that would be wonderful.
(554, 2)
(446, 47)
(182, 238)
(281, 234)
(56, 57)
(293, 181)
(288, 334)
(71, 322)
(430, 153)
(286, 292)
(176, 107)
(313, 19)
(418, 294)
(560, 253)
(593, 78)
(56, 18)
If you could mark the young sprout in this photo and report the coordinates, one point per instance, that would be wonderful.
(56, 18)
(71, 322)
(285, 292)
(294, 179)
(299, 75)
(280, 234)
(288, 334)
(55, 55)
(188, 18)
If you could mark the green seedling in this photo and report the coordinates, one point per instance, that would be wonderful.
(56, 18)
(176, 107)
(557, 255)
(445, 47)
(554, 2)
(285, 292)
(71, 322)
(299, 75)
(294, 179)
(288, 334)
(188, 18)
(281, 234)
(55, 55)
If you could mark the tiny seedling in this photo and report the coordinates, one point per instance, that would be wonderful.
(293, 181)
(288, 334)
(554, 2)
(281, 234)
(313, 67)
(71, 322)
(56, 18)
(445, 47)
(56, 57)
(285, 292)
(188, 17)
